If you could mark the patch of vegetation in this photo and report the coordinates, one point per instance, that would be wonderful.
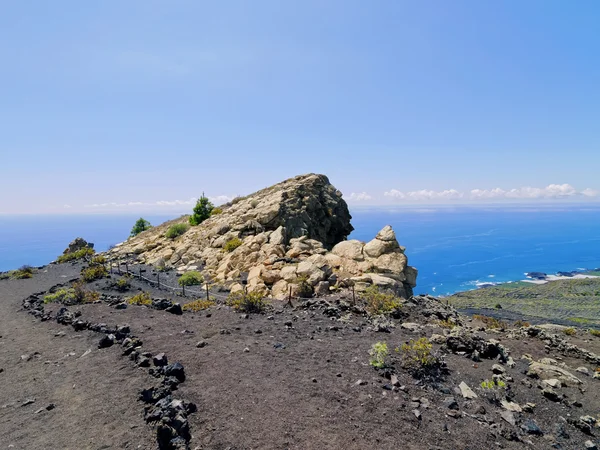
(570, 331)
(202, 210)
(520, 324)
(237, 199)
(73, 295)
(79, 254)
(98, 259)
(93, 273)
(176, 230)
(446, 324)
(491, 322)
(561, 299)
(21, 273)
(493, 384)
(379, 302)
(305, 290)
(416, 355)
(249, 302)
(140, 225)
(216, 211)
(232, 244)
(198, 305)
(379, 351)
(595, 333)
(192, 278)
(141, 299)
(254, 203)
(122, 285)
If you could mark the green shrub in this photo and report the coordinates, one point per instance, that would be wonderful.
(93, 273)
(198, 305)
(253, 302)
(595, 333)
(79, 254)
(21, 273)
(176, 230)
(202, 210)
(491, 322)
(492, 384)
(141, 299)
(73, 295)
(446, 324)
(254, 203)
(122, 285)
(63, 295)
(232, 244)
(140, 225)
(416, 355)
(216, 211)
(305, 290)
(192, 278)
(378, 353)
(570, 331)
(378, 302)
(98, 259)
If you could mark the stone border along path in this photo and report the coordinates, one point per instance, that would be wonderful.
(162, 409)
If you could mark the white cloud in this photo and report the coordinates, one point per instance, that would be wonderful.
(424, 194)
(590, 192)
(359, 197)
(552, 191)
(67, 206)
(217, 200)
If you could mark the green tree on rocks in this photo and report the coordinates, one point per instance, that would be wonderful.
(139, 226)
(202, 210)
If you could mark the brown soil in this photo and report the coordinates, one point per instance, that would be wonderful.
(254, 393)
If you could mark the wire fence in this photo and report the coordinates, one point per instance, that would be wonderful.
(185, 291)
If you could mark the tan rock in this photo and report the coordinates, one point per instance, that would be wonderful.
(392, 262)
(280, 290)
(547, 371)
(288, 273)
(352, 249)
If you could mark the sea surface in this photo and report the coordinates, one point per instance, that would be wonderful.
(455, 249)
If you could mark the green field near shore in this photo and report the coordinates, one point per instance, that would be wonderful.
(576, 300)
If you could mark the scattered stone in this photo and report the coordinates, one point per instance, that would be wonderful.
(279, 345)
(143, 361)
(528, 407)
(417, 414)
(511, 406)
(498, 369)
(550, 371)
(466, 391)
(360, 383)
(410, 326)
(551, 394)
(450, 403)
(583, 370)
(175, 308)
(394, 380)
(28, 401)
(589, 445)
(246, 350)
(201, 344)
(106, 341)
(160, 360)
(552, 382)
(509, 417)
(175, 370)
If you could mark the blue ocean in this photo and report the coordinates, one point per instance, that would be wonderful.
(454, 248)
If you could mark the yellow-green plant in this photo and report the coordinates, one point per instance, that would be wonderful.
(232, 244)
(570, 331)
(595, 333)
(379, 302)
(63, 295)
(143, 298)
(250, 302)
(192, 278)
(378, 353)
(491, 322)
(446, 324)
(98, 259)
(93, 273)
(216, 211)
(417, 354)
(21, 273)
(492, 384)
(522, 323)
(198, 305)
(79, 254)
(176, 230)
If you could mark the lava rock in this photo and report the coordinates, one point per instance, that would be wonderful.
(160, 360)
(175, 370)
(106, 341)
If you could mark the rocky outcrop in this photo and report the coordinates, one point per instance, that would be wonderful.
(289, 237)
(76, 245)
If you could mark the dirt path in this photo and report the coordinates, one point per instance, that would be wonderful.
(93, 392)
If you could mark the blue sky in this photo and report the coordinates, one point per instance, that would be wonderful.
(125, 105)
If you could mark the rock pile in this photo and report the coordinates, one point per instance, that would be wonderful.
(290, 236)
(76, 245)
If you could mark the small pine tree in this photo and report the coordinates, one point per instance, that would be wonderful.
(202, 211)
(141, 225)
